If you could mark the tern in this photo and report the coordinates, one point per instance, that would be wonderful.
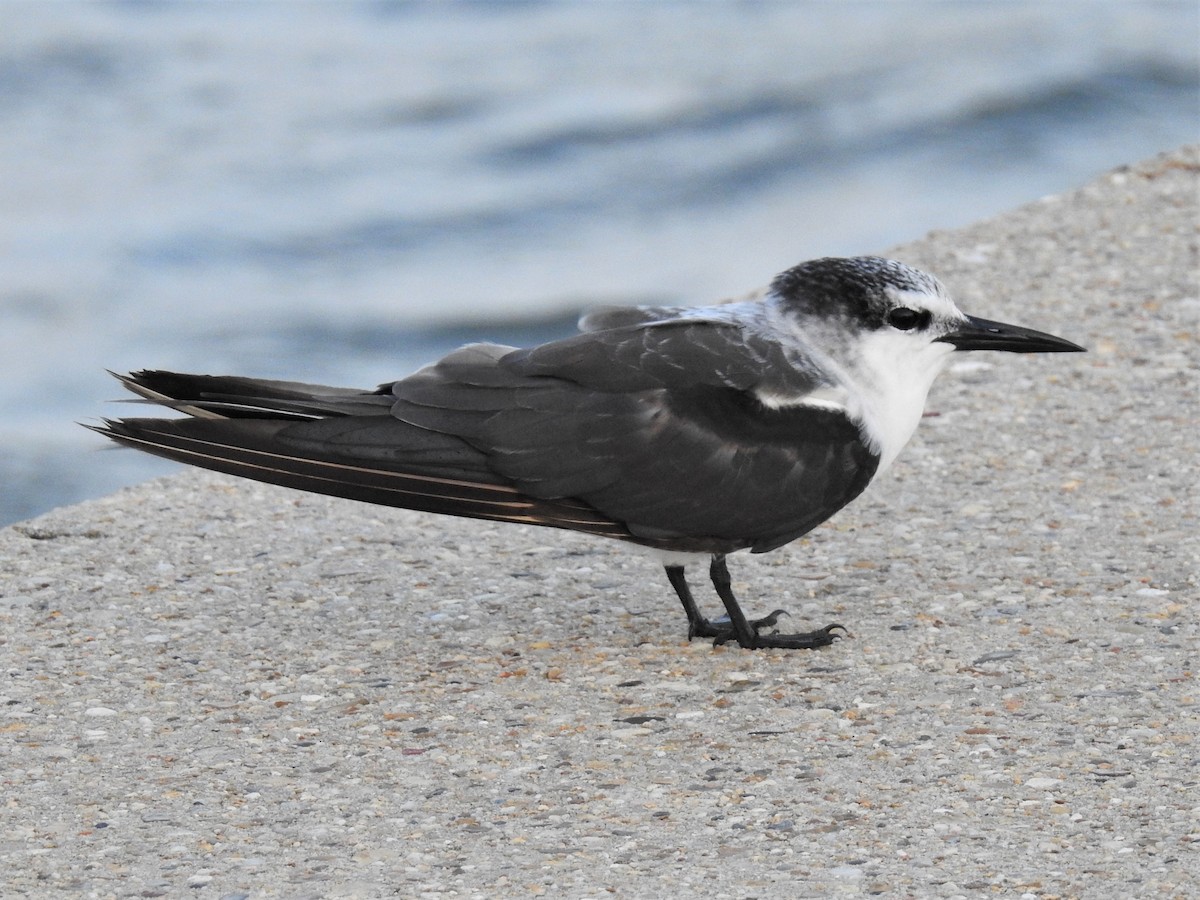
(692, 431)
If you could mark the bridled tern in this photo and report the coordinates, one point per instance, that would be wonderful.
(693, 431)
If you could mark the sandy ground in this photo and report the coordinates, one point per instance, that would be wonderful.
(219, 689)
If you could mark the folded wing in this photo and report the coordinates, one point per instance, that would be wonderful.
(659, 426)
(652, 432)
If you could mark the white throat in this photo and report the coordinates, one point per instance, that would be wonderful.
(891, 379)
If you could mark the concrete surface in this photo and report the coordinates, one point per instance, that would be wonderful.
(220, 689)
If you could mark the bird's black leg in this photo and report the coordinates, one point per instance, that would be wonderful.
(746, 632)
(698, 626)
(719, 573)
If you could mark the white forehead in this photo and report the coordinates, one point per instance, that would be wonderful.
(931, 296)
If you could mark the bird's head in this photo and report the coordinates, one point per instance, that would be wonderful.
(893, 317)
(868, 296)
(889, 329)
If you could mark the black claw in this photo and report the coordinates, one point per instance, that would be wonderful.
(768, 621)
(804, 640)
(734, 627)
(808, 640)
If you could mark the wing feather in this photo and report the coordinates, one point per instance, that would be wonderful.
(657, 426)
(651, 432)
(442, 482)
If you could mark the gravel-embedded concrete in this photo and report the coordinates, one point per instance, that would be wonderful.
(219, 689)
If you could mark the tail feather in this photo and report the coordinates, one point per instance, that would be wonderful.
(225, 396)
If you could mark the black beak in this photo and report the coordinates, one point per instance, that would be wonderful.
(980, 334)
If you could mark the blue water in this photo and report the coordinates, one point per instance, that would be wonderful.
(340, 192)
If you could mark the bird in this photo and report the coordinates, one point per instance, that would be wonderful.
(691, 431)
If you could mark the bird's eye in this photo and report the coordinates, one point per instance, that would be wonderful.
(905, 319)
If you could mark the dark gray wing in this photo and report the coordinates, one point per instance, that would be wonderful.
(652, 432)
(657, 427)
(334, 441)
